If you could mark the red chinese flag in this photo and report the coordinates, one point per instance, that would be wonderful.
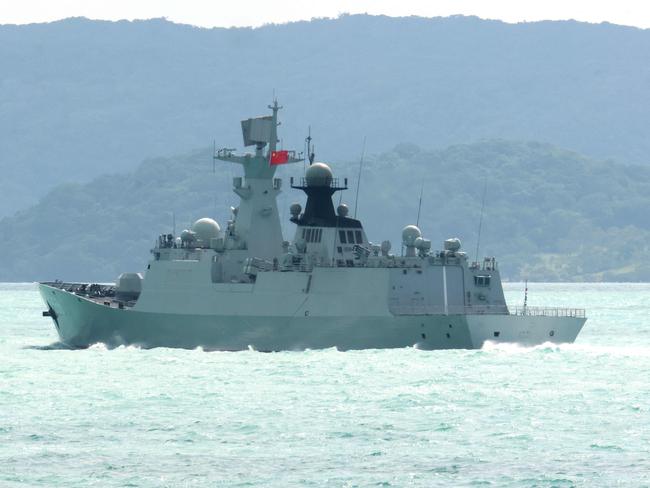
(279, 157)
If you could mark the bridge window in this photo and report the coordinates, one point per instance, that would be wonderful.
(359, 237)
(312, 235)
(351, 237)
(342, 237)
(482, 280)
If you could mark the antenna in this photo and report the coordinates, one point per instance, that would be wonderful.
(310, 149)
(356, 197)
(417, 221)
(525, 297)
(480, 221)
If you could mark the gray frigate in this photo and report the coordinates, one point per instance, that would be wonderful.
(244, 286)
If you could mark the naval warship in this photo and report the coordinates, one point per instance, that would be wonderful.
(244, 286)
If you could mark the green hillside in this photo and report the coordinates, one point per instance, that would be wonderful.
(81, 98)
(550, 214)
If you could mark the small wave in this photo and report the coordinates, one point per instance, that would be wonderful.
(606, 447)
(55, 346)
(511, 347)
(514, 347)
(609, 350)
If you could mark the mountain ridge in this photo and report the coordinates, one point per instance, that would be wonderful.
(81, 98)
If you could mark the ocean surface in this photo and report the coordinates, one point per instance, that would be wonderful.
(568, 415)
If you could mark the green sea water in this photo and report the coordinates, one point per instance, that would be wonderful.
(567, 415)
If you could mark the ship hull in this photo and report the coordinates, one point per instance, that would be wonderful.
(81, 322)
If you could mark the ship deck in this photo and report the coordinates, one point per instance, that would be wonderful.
(105, 294)
(100, 293)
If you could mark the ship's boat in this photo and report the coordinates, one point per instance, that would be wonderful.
(244, 286)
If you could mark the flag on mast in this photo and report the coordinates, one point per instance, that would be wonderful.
(279, 157)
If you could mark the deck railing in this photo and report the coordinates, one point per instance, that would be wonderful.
(421, 309)
(548, 312)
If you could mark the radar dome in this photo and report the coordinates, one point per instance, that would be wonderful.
(318, 174)
(452, 245)
(409, 234)
(206, 229)
(342, 210)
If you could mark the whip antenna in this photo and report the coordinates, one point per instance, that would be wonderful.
(356, 197)
(480, 221)
(417, 221)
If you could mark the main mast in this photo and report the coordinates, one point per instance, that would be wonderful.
(256, 223)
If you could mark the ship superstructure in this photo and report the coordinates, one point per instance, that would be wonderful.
(245, 286)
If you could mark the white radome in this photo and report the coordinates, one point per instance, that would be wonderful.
(452, 244)
(409, 234)
(318, 174)
(206, 229)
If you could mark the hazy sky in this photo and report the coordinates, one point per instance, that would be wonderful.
(257, 12)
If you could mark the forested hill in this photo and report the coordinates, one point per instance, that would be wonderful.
(79, 98)
(550, 214)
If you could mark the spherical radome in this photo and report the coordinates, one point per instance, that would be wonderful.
(410, 233)
(342, 210)
(206, 229)
(318, 174)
